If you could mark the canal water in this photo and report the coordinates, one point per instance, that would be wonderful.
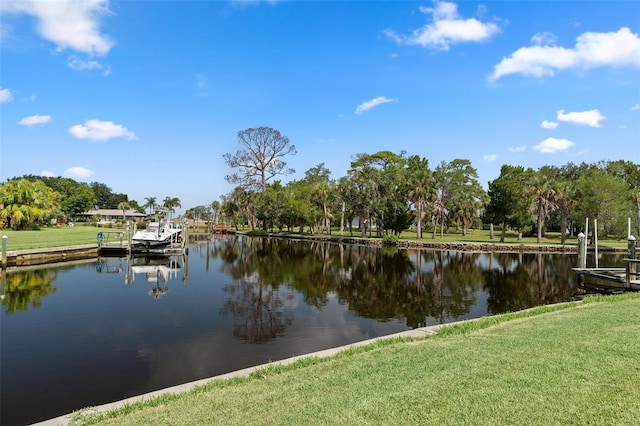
(106, 329)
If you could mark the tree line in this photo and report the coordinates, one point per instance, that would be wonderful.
(31, 201)
(387, 193)
(382, 193)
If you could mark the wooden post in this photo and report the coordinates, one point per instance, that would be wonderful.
(185, 238)
(632, 266)
(185, 261)
(3, 282)
(130, 236)
(595, 236)
(582, 252)
(4, 251)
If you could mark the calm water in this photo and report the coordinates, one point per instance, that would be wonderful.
(110, 328)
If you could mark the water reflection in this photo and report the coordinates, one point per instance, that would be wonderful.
(112, 328)
(26, 289)
(422, 286)
(158, 270)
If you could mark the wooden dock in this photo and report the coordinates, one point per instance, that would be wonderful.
(119, 243)
(124, 248)
(627, 277)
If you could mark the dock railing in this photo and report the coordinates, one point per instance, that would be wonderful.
(113, 238)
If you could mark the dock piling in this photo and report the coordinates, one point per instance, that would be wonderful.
(632, 267)
(4, 251)
(582, 250)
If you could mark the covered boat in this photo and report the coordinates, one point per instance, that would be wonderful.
(157, 234)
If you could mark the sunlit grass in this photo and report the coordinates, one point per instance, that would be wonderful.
(50, 237)
(472, 236)
(577, 363)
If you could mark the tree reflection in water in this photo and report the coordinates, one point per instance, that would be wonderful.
(258, 301)
(26, 289)
(520, 281)
(422, 286)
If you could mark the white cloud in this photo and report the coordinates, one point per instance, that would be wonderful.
(366, 106)
(5, 95)
(79, 172)
(97, 130)
(518, 148)
(543, 38)
(78, 64)
(447, 28)
(546, 124)
(636, 107)
(592, 50)
(47, 173)
(590, 118)
(35, 119)
(70, 24)
(489, 157)
(551, 145)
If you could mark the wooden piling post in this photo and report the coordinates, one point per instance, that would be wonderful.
(595, 239)
(631, 269)
(4, 251)
(582, 250)
(185, 235)
(3, 282)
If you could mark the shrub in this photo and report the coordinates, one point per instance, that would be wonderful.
(390, 240)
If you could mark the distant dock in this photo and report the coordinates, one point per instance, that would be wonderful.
(628, 276)
(125, 248)
(120, 243)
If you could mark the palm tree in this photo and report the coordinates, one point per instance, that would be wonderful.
(438, 216)
(544, 201)
(464, 211)
(23, 202)
(215, 208)
(124, 206)
(421, 191)
(150, 202)
(565, 193)
(171, 204)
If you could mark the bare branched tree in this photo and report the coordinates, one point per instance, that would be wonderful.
(260, 158)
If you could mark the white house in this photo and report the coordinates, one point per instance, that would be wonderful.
(111, 215)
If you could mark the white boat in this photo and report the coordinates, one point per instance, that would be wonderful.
(158, 271)
(157, 234)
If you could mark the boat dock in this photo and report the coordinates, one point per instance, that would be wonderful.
(119, 242)
(628, 277)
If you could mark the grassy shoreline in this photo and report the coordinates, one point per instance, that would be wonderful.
(574, 363)
(80, 235)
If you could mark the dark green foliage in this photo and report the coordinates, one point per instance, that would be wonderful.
(390, 240)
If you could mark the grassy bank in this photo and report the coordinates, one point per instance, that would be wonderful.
(577, 363)
(51, 237)
(78, 235)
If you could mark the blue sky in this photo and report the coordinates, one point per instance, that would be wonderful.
(146, 96)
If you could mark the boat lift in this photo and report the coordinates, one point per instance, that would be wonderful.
(119, 242)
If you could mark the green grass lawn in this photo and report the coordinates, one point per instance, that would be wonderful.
(51, 237)
(577, 363)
